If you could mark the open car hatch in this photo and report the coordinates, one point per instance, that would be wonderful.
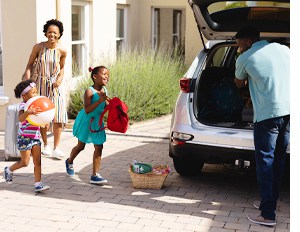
(218, 21)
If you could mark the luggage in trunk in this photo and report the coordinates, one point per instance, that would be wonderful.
(220, 102)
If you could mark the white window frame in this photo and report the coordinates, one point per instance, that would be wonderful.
(176, 36)
(84, 35)
(124, 38)
(155, 28)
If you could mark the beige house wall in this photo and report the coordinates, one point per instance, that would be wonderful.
(22, 26)
(102, 28)
(19, 33)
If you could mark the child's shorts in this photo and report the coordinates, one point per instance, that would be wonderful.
(25, 143)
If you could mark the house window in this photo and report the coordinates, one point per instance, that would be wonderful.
(177, 16)
(121, 27)
(80, 33)
(155, 28)
(167, 30)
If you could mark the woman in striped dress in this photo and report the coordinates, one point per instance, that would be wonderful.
(46, 67)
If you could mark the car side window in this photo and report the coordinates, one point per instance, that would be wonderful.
(222, 56)
(219, 57)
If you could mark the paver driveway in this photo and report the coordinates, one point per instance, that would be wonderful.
(217, 201)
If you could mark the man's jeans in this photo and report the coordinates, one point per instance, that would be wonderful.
(271, 138)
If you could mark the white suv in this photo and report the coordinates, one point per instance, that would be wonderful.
(212, 119)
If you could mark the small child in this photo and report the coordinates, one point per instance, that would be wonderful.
(95, 100)
(28, 137)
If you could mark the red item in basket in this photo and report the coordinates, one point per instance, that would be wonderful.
(161, 169)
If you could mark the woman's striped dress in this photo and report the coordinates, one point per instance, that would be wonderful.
(48, 67)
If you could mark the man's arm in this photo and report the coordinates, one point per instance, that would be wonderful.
(240, 83)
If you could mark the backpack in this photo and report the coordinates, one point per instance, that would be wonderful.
(117, 118)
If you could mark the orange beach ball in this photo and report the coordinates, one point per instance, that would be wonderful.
(47, 110)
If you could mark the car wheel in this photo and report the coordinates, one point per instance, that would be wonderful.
(187, 167)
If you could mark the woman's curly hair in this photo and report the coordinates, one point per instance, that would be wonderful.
(55, 22)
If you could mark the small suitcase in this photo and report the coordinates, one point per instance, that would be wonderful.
(11, 131)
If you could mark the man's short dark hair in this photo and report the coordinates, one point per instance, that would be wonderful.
(247, 32)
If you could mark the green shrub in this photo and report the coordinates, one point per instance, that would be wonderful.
(235, 5)
(76, 97)
(145, 80)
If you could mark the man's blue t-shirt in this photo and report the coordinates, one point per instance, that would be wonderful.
(267, 67)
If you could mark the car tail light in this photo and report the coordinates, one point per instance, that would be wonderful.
(180, 138)
(185, 84)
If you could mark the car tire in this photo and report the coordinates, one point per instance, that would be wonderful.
(187, 167)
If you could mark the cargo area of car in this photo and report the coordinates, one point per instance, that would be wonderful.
(221, 103)
(217, 100)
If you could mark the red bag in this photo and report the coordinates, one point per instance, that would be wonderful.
(117, 118)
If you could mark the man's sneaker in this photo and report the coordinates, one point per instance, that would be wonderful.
(97, 179)
(7, 175)
(41, 187)
(69, 168)
(58, 154)
(258, 219)
(256, 204)
(47, 151)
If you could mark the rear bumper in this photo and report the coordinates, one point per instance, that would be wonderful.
(210, 154)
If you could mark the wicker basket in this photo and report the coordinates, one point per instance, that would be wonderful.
(147, 181)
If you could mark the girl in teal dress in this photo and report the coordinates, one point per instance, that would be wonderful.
(95, 100)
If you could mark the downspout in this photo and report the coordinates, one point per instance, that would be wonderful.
(57, 9)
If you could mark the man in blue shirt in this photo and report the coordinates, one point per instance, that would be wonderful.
(266, 67)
